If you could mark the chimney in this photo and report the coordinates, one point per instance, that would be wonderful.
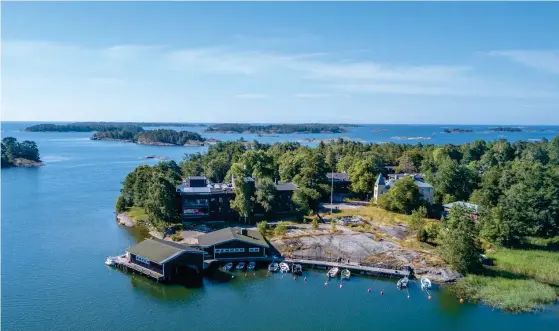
(244, 232)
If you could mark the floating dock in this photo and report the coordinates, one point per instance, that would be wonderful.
(354, 268)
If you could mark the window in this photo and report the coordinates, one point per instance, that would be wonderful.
(254, 250)
(142, 259)
(229, 250)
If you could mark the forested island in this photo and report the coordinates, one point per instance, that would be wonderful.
(515, 185)
(506, 129)
(159, 137)
(279, 128)
(458, 130)
(16, 154)
(98, 126)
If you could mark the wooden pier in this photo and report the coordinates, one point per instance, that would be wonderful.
(354, 268)
(123, 263)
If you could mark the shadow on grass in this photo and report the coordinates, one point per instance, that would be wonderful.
(493, 272)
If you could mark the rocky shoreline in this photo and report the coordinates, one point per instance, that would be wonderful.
(24, 163)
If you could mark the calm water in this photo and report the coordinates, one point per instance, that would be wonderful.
(58, 227)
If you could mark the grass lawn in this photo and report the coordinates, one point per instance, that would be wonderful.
(509, 294)
(540, 265)
(137, 213)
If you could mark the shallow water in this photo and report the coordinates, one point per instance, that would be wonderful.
(58, 227)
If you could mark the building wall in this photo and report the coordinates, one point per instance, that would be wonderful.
(146, 263)
(236, 244)
(379, 190)
(184, 267)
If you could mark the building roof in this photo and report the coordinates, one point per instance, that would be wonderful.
(461, 203)
(341, 176)
(228, 234)
(160, 251)
(286, 187)
(197, 177)
(420, 183)
(380, 180)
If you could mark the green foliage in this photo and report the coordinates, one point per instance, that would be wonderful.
(430, 233)
(161, 204)
(12, 150)
(333, 228)
(460, 247)
(538, 264)
(243, 202)
(120, 204)
(278, 128)
(403, 197)
(363, 175)
(314, 224)
(262, 227)
(176, 237)
(417, 219)
(280, 230)
(165, 136)
(265, 196)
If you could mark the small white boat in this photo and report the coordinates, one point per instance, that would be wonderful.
(333, 272)
(228, 266)
(402, 283)
(110, 261)
(273, 267)
(251, 266)
(284, 267)
(425, 283)
(297, 269)
(346, 274)
(240, 266)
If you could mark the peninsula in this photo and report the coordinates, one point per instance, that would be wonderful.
(16, 154)
(279, 128)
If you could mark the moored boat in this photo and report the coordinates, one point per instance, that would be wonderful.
(346, 274)
(110, 261)
(240, 266)
(425, 283)
(402, 283)
(297, 269)
(273, 267)
(284, 267)
(228, 266)
(333, 272)
(251, 266)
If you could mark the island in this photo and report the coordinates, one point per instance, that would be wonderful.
(159, 137)
(100, 126)
(278, 128)
(506, 129)
(458, 130)
(16, 154)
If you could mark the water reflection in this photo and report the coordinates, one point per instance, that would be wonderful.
(163, 292)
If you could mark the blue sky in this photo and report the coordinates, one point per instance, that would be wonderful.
(360, 62)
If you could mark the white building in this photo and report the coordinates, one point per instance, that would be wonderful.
(425, 189)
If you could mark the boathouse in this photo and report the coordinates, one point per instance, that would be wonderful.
(234, 244)
(165, 260)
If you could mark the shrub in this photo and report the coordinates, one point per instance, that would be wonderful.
(262, 226)
(280, 230)
(120, 204)
(315, 224)
(176, 237)
(332, 226)
(430, 232)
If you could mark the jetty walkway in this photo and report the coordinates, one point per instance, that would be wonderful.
(353, 267)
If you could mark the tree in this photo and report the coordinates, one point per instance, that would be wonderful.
(410, 161)
(171, 170)
(120, 204)
(243, 202)
(161, 205)
(280, 229)
(454, 182)
(315, 224)
(362, 175)
(417, 219)
(460, 247)
(262, 227)
(403, 197)
(430, 233)
(266, 194)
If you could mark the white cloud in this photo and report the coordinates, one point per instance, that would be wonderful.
(543, 60)
(252, 96)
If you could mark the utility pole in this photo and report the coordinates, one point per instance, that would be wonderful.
(332, 194)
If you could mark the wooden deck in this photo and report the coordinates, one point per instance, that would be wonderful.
(123, 263)
(354, 268)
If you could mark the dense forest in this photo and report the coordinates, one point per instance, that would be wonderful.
(279, 128)
(15, 153)
(148, 137)
(98, 126)
(516, 185)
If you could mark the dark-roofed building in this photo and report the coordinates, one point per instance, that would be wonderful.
(341, 185)
(165, 260)
(470, 206)
(201, 200)
(234, 244)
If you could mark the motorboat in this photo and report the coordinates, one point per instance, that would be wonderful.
(228, 266)
(346, 274)
(403, 282)
(240, 266)
(333, 272)
(273, 267)
(110, 261)
(251, 266)
(284, 267)
(425, 283)
(297, 269)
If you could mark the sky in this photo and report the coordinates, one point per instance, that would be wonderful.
(281, 62)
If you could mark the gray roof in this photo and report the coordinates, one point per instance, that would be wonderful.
(380, 180)
(422, 184)
(188, 189)
(197, 177)
(160, 251)
(286, 187)
(228, 234)
(463, 204)
(342, 176)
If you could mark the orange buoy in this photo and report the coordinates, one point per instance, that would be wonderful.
(429, 297)
(461, 300)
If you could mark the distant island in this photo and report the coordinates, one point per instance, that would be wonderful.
(98, 126)
(506, 129)
(458, 130)
(160, 137)
(16, 154)
(279, 128)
